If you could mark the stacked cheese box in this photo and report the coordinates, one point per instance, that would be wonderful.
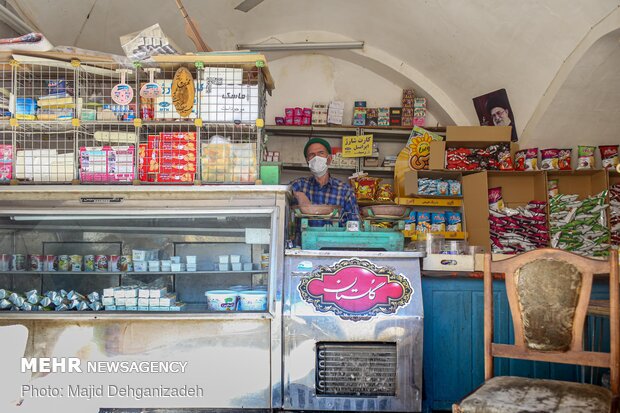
(135, 298)
(335, 112)
(107, 164)
(6, 163)
(169, 157)
(45, 165)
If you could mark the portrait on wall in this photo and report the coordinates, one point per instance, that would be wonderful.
(493, 109)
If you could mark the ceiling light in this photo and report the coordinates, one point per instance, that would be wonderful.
(278, 47)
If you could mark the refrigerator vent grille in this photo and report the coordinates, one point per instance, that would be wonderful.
(356, 369)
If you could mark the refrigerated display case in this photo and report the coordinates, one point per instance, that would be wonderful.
(227, 238)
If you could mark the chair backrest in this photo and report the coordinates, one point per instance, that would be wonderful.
(548, 293)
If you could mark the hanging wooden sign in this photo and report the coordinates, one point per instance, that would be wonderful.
(183, 92)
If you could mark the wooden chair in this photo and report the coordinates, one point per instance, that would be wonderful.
(548, 293)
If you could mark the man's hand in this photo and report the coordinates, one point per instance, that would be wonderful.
(302, 199)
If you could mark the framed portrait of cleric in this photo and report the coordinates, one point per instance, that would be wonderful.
(494, 109)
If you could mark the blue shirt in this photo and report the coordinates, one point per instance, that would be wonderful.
(334, 192)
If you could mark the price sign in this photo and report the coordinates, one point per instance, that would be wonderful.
(355, 146)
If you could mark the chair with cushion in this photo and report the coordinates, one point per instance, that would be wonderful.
(548, 294)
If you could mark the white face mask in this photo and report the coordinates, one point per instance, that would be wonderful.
(318, 166)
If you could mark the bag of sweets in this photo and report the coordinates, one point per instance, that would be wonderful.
(550, 159)
(496, 202)
(609, 156)
(564, 159)
(586, 157)
(454, 221)
(526, 160)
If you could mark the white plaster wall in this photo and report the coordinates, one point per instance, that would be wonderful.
(307, 78)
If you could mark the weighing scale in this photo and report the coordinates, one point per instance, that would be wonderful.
(370, 237)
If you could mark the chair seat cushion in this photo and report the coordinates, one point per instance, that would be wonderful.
(521, 395)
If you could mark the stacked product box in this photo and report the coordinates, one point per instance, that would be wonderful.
(383, 116)
(419, 111)
(335, 112)
(107, 164)
(169, 157)
(229, 162)
(359, 113)
(407, 107)
(229, 103)
(6, 163)
(396, 116)
(135, 298)
(319, 114)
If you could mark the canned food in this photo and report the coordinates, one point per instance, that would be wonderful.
(35, 263)
(18, 262)
(63, 263)
(125, 263)
(5, 262)
(51, 263)
(89, 263)
(113, 263)
(101, 262)
(75, 262)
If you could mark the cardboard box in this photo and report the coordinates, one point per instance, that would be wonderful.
(447, 262)
(411, 180)
(518, 188)
(468, 137)
(584, 183)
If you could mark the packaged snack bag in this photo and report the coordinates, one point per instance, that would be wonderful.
(496, 202)
(609, 155)
(550, 159)
(564, 159)
(586, 157)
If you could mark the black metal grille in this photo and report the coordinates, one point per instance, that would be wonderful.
(356, 369)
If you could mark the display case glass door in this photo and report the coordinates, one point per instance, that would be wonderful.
(138, 260)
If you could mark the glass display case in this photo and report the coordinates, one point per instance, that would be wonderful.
(119, 274)
(192, 261)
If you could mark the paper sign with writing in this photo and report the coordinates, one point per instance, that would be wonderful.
(354, 146)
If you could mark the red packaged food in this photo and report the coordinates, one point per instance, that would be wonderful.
(564, 159)
(609, 156)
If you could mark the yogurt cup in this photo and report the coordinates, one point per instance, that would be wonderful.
(221, 300)
(252, 300)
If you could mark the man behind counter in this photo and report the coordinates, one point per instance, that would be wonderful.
(321, 188)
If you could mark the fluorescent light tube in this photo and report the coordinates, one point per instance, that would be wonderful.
(276, 47)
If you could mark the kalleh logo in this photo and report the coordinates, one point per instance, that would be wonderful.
(356, 289)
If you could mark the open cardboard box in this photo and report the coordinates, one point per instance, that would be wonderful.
(410, 186)
(468, 137)
(518, 188)
(584, 183)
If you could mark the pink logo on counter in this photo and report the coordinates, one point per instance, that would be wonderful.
(356, 289)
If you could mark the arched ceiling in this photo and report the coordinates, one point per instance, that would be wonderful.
(453, 49)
